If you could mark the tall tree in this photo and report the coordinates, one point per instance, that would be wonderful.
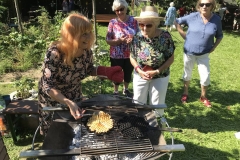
(2, 8)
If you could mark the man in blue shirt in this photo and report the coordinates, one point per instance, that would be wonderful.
(203, 28)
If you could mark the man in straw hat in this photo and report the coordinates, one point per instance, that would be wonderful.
(152, 55)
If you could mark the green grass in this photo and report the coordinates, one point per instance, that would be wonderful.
(6, 88)
(208, 133)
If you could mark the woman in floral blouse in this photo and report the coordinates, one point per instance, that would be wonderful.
(120, 33)
(152, 55)
(66, 63)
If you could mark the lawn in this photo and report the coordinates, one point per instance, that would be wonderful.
(208, 133)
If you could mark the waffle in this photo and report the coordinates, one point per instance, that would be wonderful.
(100, 123)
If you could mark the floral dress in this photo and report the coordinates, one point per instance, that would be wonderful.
(57, 75)
(153, 52)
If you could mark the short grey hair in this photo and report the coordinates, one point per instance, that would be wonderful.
(118, 3)
(171, 4)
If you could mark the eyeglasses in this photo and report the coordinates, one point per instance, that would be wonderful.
(147, 25)
(205, 4)
(118, 10)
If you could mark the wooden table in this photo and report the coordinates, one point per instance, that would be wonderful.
(19, 107)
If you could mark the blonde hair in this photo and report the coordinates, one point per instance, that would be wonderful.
(171, 4)
(213, 5)
(74, 26)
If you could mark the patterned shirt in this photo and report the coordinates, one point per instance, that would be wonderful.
(59, 76)
(117, 29)
(153, 52)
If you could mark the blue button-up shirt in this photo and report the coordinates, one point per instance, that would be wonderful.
(200, 37)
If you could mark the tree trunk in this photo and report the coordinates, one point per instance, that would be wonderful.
(94, 20)
(18, 16)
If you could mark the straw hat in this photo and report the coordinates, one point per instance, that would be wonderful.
(149, 12)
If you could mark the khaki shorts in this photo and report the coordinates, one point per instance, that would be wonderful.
(203, 65)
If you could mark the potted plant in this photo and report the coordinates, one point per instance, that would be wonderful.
(24, 88)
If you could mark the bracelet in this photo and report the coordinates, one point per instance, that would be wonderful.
(157, 71)
(137, 68)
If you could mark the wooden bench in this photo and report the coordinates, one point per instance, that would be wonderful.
(15, 109)
(104, 17)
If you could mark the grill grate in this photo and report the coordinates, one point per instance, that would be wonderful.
(133, 126)
(111, 143)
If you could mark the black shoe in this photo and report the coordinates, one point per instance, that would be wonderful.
(115, 93)
(127, 93)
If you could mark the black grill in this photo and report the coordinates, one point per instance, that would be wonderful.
(141, 141)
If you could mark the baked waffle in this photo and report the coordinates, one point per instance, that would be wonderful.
(100, 123)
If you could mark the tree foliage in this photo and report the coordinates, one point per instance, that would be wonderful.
(2, 7)
(22, 52)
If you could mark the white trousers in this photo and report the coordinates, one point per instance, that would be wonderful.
(203, 68)
(151, 91)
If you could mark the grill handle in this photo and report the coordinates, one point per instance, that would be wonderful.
(64, 107)
(170, 129)
(158, 106)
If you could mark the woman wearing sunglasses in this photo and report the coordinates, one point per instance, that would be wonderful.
(203, 35)
(151, 56)
(120, 33)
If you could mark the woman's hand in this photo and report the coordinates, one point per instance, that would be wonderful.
(145, 75)
(123, 39)
(75, 111)
(152, 73)
(129, 39)
(126, 39)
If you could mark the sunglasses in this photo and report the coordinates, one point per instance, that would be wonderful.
(205, 4)
(147, 25)
(118, 10)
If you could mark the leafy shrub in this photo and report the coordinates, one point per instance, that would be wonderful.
(23, 86)
(5, 65)
(21, 52)
(137, 9)
(26, 51)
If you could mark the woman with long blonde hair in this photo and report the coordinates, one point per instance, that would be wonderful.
(68, 61)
